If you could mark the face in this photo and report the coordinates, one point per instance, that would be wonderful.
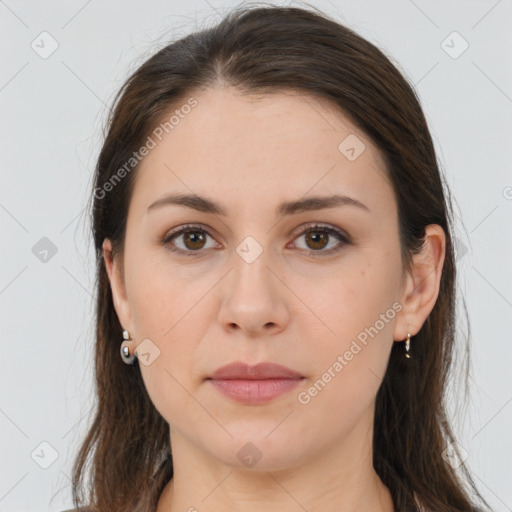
(315, 288)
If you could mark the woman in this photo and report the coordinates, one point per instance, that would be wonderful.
(276, 282)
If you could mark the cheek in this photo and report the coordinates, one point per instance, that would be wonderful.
(359, 298)
(360, 308)
(170, 393)
(349, 366)
(167, 309)
(159, 293)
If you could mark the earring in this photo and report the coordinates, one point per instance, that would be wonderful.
(407, 345)
(125, 351)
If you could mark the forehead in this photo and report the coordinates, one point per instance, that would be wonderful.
(232, 145)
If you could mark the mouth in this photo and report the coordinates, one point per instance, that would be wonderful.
(253, 385)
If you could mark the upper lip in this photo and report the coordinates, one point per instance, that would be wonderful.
(239, 370)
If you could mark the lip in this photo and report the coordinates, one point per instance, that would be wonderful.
(256, 384)
(259, 371)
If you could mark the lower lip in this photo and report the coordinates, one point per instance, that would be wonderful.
(255, 391)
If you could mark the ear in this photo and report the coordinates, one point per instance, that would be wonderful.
(421, 285)
(117, 285)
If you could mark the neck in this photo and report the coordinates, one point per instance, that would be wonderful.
(341, 478)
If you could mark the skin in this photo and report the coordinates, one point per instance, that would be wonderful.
(291, 307)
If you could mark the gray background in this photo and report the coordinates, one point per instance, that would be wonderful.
(52, 112)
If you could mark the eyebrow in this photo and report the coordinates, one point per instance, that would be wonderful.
(206, 205)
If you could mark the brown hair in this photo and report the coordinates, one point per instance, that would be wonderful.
(262, 49)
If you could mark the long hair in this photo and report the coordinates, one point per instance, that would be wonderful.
(257, 49)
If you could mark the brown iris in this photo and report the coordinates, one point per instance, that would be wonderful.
(317, 237)
(194, 238)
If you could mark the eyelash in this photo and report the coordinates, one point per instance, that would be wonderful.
(311, 228)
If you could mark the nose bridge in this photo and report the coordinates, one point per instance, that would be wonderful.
(251, 276)
(252, 295)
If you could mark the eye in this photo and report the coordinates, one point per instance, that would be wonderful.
(318, 238)
(192, 239)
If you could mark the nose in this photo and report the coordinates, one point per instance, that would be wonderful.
(254, 298)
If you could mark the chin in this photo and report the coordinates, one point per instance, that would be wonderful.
(253, 448)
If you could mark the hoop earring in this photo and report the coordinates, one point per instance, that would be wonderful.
(407, 346)
(125, 350)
